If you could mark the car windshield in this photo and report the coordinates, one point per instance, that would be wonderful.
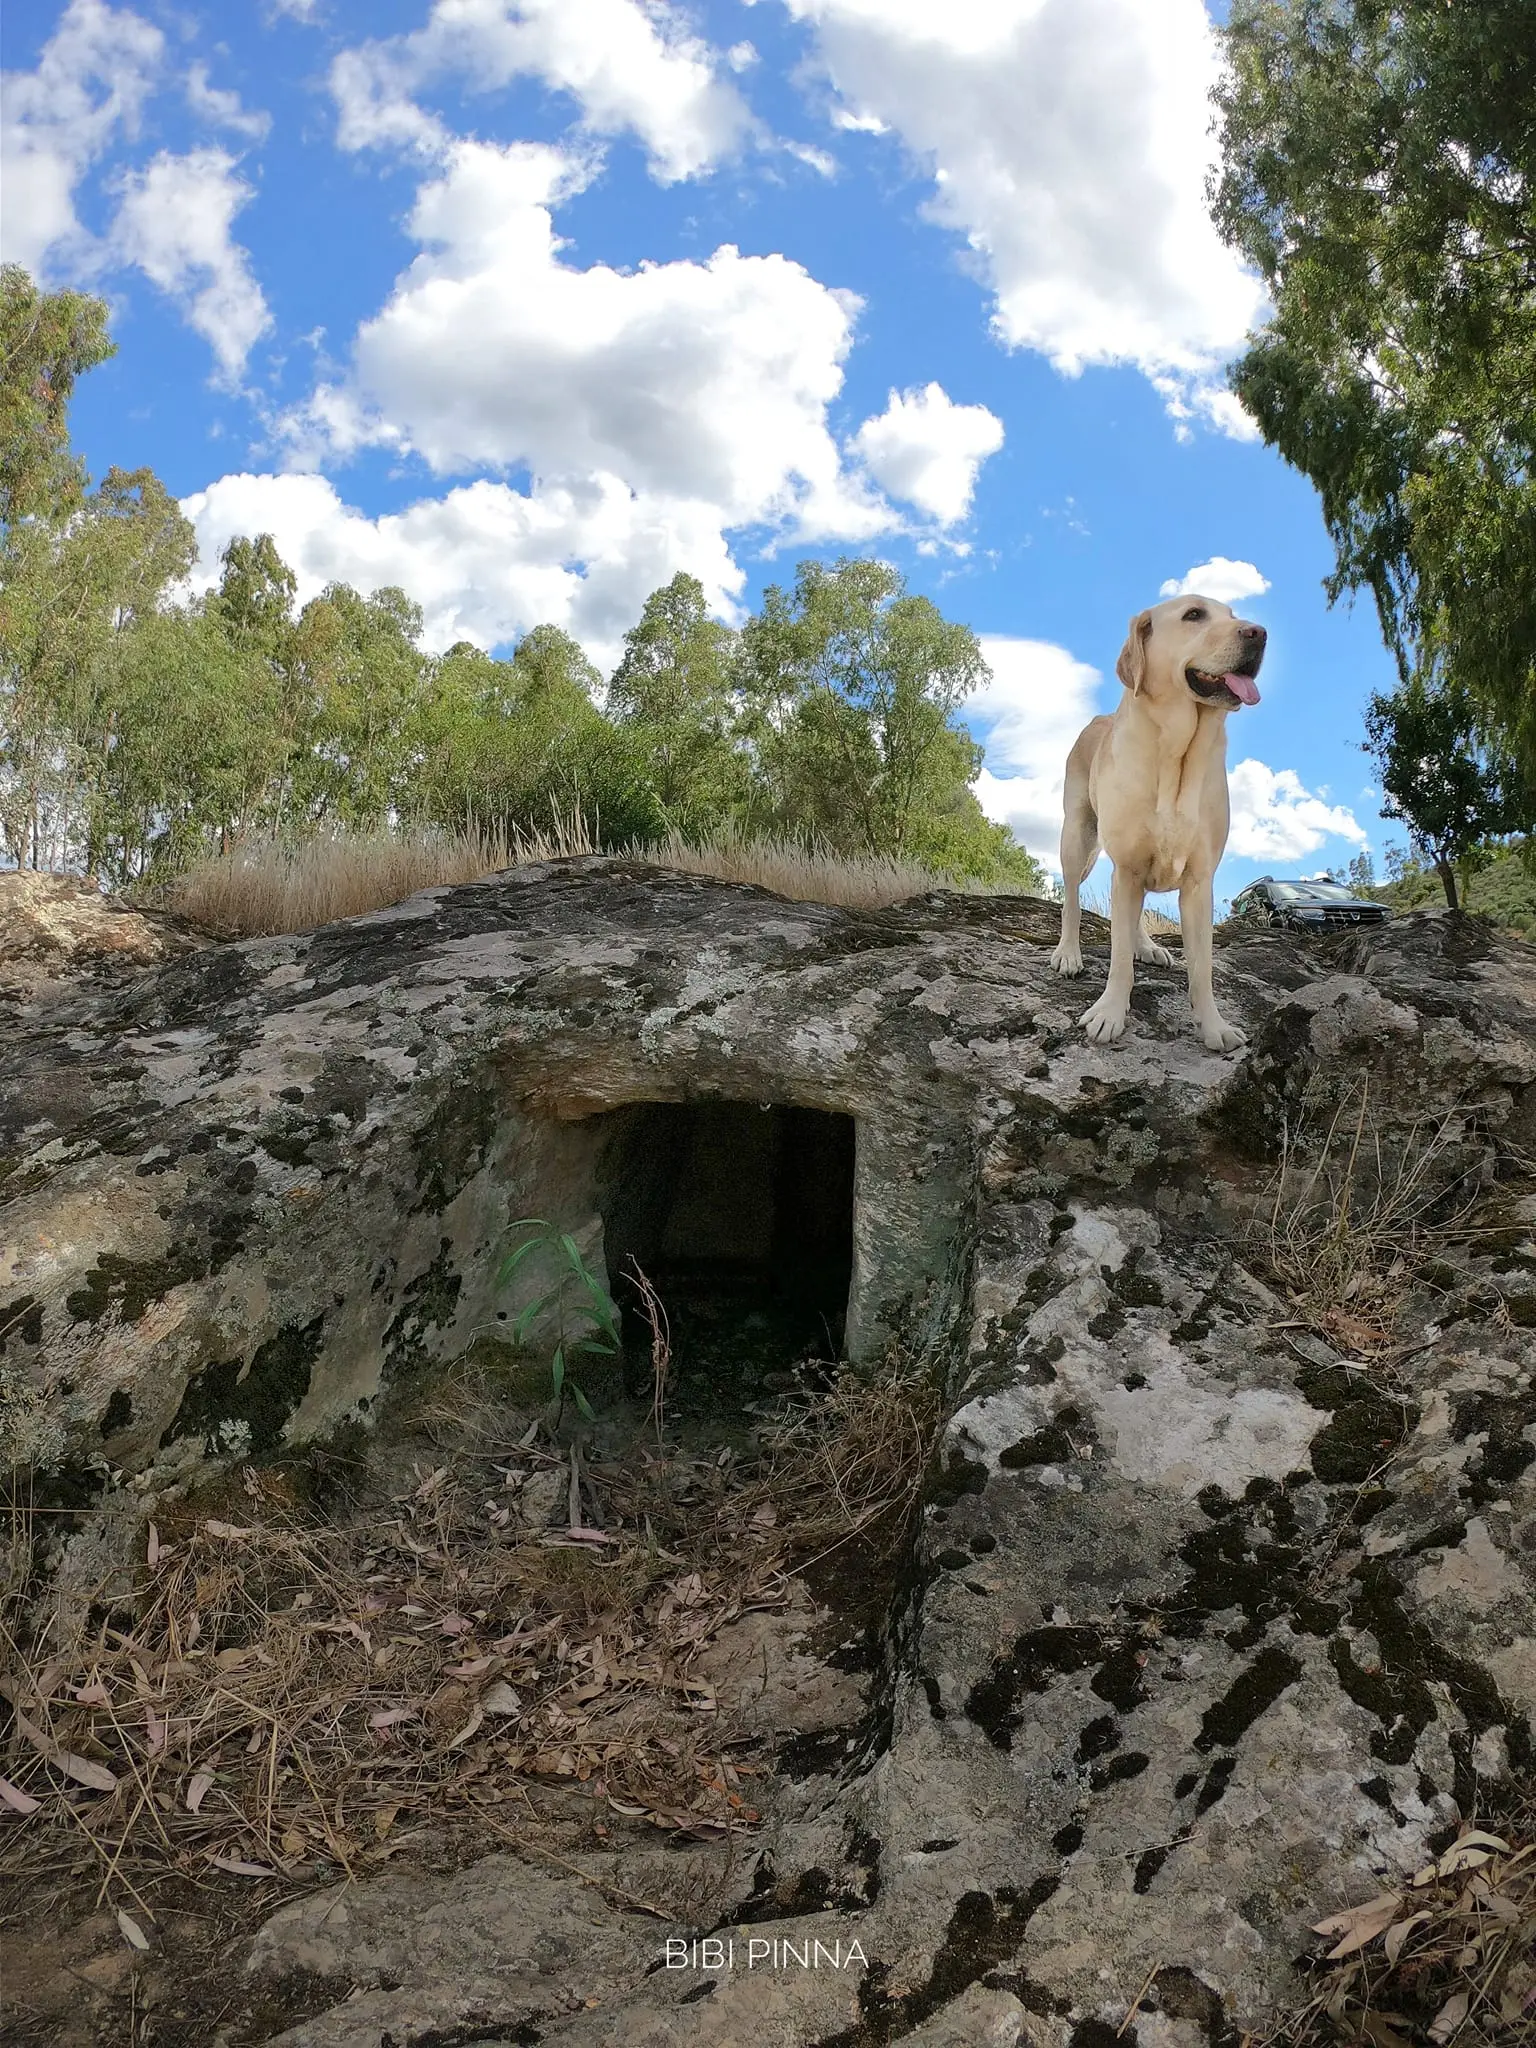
(1310, 892)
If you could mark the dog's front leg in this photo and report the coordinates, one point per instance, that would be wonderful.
(1195, 913)
(1147, 947)
(1106, 1018)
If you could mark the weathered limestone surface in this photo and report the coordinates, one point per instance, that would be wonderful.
(1212, 1631)
(56, 930)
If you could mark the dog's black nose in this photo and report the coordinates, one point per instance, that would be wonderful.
(1252, 633)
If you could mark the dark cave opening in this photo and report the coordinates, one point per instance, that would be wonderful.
(741, 1216)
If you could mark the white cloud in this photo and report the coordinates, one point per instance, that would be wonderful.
(92, 78)
(1227, 581)
(1275, 818)
(639, 419)
(1069, 143)
(927, 450)
(632, 66)
(223, 109)
(174, 223)
(485, 562)
(371, 86)
(1027, 718)
(1185, 399)
(705, 383)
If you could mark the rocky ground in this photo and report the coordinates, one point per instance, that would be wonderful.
(1221, 1614)
(57, 931)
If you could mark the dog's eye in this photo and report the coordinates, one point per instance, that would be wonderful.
(1194, 612)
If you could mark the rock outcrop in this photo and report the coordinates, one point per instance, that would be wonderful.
(1215, 1627)
(59, 930)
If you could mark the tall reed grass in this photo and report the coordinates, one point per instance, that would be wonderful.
(264, 886)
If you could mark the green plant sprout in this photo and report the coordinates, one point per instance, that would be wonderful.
(588, 1317)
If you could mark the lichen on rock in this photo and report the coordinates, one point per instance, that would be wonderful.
(1215, 1621)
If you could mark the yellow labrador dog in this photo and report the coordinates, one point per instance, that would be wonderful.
(1149, 785)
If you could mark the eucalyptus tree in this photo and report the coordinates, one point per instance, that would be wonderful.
(47, 341)
(69, 587)
(1379, 170)
(674, 689)
(851, 693)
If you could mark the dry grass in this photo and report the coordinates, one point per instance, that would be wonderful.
(807, 875)
(1447, 1960)
(1350, 1214)
(1158, 922)
(287, 1697)
(264, 887)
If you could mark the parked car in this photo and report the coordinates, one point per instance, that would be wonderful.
(1305, 906)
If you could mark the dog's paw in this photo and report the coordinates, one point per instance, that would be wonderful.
(1220, 1036)
(1104, 1021)
(1158, 956)
(1067, 959)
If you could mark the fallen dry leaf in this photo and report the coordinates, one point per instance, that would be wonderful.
(238, 1868)
(80, 1768)
(1450, 2016)
(1398, 1933)
(133, 1933)
(477, 1715)
(471, 1668)
(17, 1800)
(1361, 1924)
(1470, 1850)
(198, 1790)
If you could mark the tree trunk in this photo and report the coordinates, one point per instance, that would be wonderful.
(1447, 874)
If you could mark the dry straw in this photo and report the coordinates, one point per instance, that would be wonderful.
(1353, 1208)
(286, 1698)
(264, 887)
(1446, 1959)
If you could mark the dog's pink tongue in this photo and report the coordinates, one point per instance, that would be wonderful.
(1243, 688)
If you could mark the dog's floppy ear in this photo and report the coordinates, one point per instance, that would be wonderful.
(1131, 667)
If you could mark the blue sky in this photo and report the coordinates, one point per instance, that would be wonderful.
(527, 304)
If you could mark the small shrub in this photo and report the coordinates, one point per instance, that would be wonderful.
(586, 1318)
(1353, 1211)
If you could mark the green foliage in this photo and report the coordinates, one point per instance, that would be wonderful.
(1503, 889)
(674, 690)
(254, 600)
(586, 1317)
(1453, 792)
(47, 340)
(850, 690)
(1379, 168)
(517, 744)
(137, 732)
(69, 589)
(358, 676)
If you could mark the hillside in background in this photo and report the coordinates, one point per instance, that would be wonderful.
(1505, 891)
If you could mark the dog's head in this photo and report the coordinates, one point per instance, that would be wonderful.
(1194, 645)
